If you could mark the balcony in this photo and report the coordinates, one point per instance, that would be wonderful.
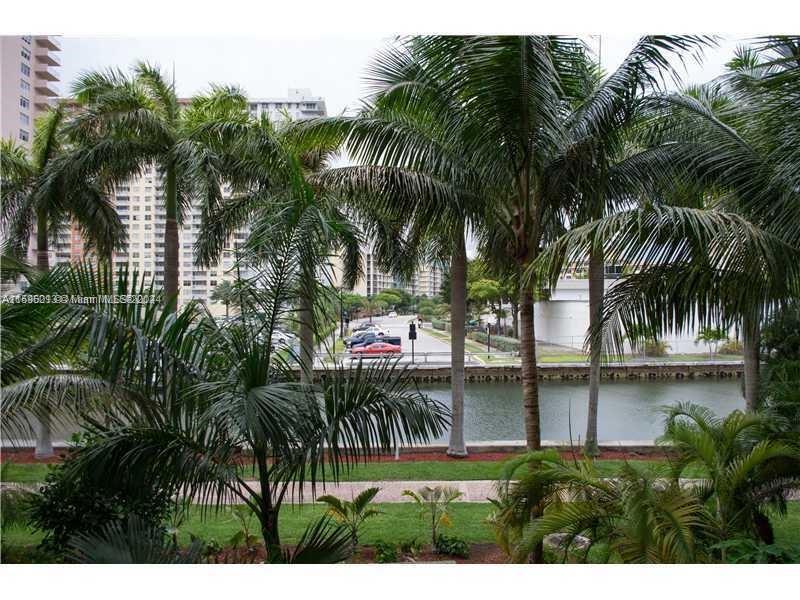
(50, 42)
(43, 57)
(46, 89)
(46, 73)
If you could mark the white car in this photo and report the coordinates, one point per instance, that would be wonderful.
(392, 315)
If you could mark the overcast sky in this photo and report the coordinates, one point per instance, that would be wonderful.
(331, 67)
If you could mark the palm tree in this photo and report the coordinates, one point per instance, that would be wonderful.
(601, 167)
(637, 519)
(750, 472)
(353, 513)
(126, 122)
(193, 396)
(274, 188)
(31, 200)
(727, 252)
(225, 294)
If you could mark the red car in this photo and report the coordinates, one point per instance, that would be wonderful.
(376, 349)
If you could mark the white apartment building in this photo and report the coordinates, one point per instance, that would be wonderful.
(427, 280)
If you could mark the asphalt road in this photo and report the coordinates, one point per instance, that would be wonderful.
(398, 326)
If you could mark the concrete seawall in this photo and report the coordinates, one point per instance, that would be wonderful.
(572, 372)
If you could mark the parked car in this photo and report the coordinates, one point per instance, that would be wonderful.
(359, 337)
(392, 315)
(375, 349)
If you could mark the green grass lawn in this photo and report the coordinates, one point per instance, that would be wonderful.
(384, 471)
(398, 523)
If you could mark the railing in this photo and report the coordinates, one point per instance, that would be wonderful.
(425, 358)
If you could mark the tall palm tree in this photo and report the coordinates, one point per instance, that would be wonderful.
(599, 166)
(126, 122)
(224, 293)
(730, 258)
(31, 200)
(275, 186)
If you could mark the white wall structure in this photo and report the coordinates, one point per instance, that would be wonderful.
(564, 319)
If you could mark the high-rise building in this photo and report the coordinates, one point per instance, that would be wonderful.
(426, 281)
(28, 82)
(140, 206)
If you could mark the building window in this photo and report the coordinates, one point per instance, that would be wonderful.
(25, 69)
(24, 119)
(24, 102)
(26, 54)
(24, 135)
(24, 85)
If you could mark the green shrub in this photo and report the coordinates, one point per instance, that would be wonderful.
(730, 347)
(67, 506)
(440, 325)
(452, 546)
(504, 344)
(412, 548)
(749, 551)
(385, 553)
(656, 348)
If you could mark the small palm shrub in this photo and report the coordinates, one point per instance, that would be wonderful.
(434, 504)
(637, 519)
(352, 514)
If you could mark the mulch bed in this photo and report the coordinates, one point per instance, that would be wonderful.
(484, 553)
(25, 455)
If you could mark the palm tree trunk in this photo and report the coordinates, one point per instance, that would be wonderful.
(171, 242)
(515, 318)
(44, 441)
(596, 283)
(306, 319)
(269, 511)
(530, 381)
(751, 340)
(458, 311)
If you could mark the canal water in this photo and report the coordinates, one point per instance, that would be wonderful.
(628, 410)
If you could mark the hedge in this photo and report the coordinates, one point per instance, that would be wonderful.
(504, 344)
(440, 325)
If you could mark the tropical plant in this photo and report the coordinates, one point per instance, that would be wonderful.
(244, 536)
(196, 393)
(719, 248)
(275, 184)
(128, 122)
(130, 541)
(434, 506)
(451, 546)
(68, 506)
(711, 337)
(224, 294)
(31, 200)
(749, 472)
(352, 514)
(633, 515)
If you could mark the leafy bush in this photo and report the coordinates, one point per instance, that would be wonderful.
(452, 546)
(440, 325)
(749, 551)
(731, 347)
(385, 553)
(412, 548)
(70, 505)
(780, 337)
(504, 344)
(656, 348)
